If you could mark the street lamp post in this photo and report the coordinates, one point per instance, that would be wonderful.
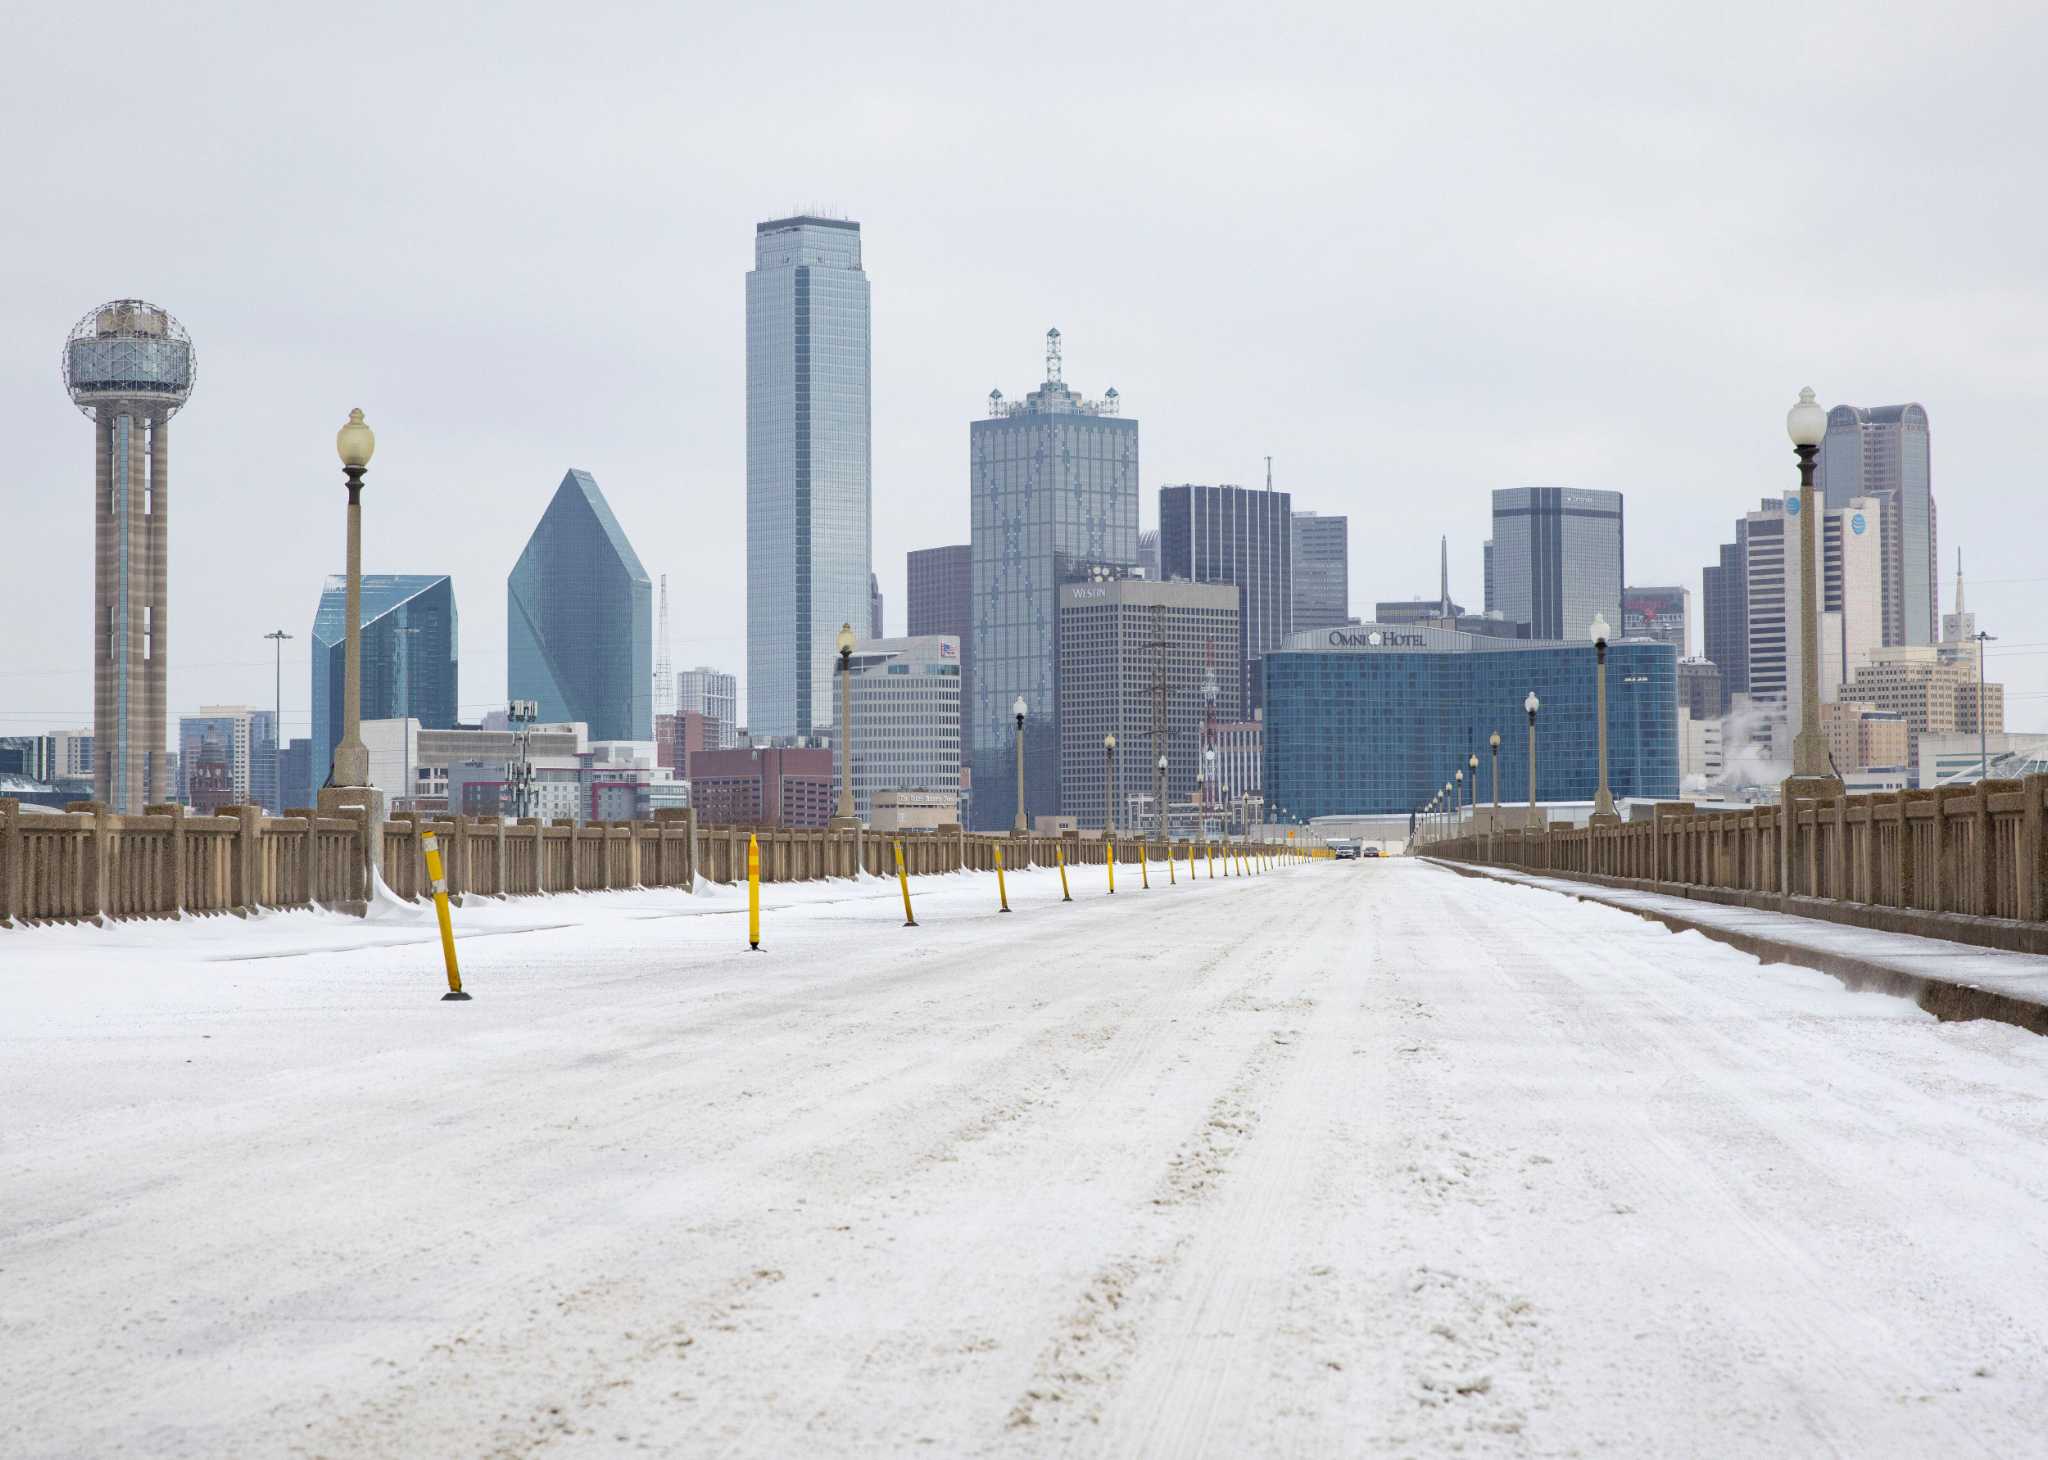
(1603, 800)
(1812, 775)
(1018, 708)
(1983, 738)
(1493, 744)
(1109, 791)
(844, 818)
(1208, 785)
(1159, 796)
(355, 442)
(1472, 786)
(1532, 705)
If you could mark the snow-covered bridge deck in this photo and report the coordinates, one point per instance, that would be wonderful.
(1351, 1158)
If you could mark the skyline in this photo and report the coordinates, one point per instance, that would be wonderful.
(1593, 322)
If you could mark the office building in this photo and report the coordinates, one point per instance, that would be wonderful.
(679, 736)
(1701, 689)
(1882, 453)
(1148, 554)
(295, 774)
(1133, 658)
(26, 756)
(906, 718)
(1701, 754)
(940, 600)
(1952, 759)
(1557, 559)
(1724, 612)
(129, 367)
(763, 786)
(1938, 694)
(715, 695)
(1054, 481)
(408, 635)
(1239, 768)
(1861, 737)
(1322, 570)
(1960, 627)
(244, 741)
(874, 607)
(1851, 619)
(1375, 719)
(579, 616)
(1663, 614)
(1243, 536)
(809, 513)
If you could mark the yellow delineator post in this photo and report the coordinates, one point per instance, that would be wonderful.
(437, 875)
(1171, 875)
(1209, 851)
(1059, 855)
(754, 893)
(1191, 861)
(1109, 861)
(903, 880)
(1144, 865)
(1002, 892)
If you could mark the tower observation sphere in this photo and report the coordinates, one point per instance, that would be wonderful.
(129, 367)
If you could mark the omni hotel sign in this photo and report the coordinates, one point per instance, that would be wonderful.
(1377, 639)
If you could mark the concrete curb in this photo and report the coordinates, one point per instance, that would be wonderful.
(1945, 999)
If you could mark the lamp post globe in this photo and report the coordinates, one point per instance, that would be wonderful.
(1493, 744)
(1532, 705)
(1018, 708)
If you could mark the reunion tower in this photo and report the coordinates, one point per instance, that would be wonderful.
(129, 366)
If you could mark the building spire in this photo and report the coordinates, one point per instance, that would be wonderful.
(1052, 357)
(1959, 581)
(1444, 582)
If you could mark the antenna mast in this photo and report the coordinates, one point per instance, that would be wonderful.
(1052, 357)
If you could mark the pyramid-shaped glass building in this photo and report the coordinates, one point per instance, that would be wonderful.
(580, 619)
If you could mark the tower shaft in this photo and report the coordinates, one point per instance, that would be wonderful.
(131, 482)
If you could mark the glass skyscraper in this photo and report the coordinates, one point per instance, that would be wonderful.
(579, 619)
(408, 657)
(809, 467)
(1054, 481)
(1238, 535)
(1882, 452)
(1557, 559)
(1376, 718)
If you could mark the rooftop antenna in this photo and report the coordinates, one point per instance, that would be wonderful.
(1444, 581)
(1269, 473)
(1052, 357)
(664, 670)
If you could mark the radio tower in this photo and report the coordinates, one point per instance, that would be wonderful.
(664, 671)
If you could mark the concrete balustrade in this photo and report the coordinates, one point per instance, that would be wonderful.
(1966, 863)
(90, 865)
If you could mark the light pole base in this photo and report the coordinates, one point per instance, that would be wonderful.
(842, 823)
(1604, 818)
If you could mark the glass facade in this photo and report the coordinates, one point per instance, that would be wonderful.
(1375, 719)
(1054, 484)
(1557, 559)
(906, 718)
(408, 657)
(809, 466)
(1238, 535)
(1883, 452)
(579, 619)
(1724, 594)
(940, 597)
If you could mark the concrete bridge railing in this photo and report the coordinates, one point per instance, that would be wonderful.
(1968, 863)
(89, 864)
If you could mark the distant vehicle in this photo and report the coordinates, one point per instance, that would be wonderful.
(1344, 851)
(1372, 851)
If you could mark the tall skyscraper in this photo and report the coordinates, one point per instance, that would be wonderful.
(1557, 559)
(1883, 452)
(715, 695)
(1724, 594)
(1242, 536)
(1054, 481)
(1851, 545)
(129, 367)
(940, 587)
(579, 619)
(1133, 657)
(809, 464)
(1148, 554)
(1322, 571)
(874, 607)
(408, 646)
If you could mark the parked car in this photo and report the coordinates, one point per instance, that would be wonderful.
(1372, 851)
(1344, 851)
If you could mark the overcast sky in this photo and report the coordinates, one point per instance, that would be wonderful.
(1412, 252)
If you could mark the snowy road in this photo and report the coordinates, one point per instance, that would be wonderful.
(1351, 1159)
